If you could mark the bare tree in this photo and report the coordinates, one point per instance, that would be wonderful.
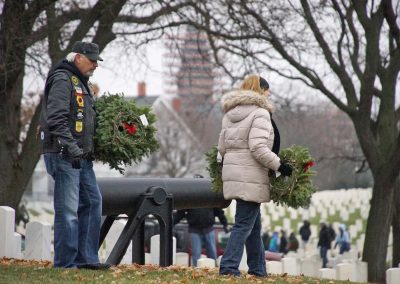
(36, 34)
(329, 135)
(346, 50)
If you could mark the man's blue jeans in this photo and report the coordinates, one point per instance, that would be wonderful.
(323, 252)
(245, 231)
(196, 241)
(77, 207)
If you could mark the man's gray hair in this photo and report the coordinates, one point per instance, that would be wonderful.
(71, 56)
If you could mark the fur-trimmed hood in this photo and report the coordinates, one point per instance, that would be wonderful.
(244, 97)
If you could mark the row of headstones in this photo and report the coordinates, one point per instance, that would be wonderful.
(38, 246)
(278, 212)
(271, 212)
(37, 238)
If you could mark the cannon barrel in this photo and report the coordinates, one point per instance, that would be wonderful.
(121, 194)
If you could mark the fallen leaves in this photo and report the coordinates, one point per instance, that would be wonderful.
(136, 273)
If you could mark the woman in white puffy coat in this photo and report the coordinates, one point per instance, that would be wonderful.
(245, 143)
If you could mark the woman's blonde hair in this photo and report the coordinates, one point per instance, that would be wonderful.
(252, 83)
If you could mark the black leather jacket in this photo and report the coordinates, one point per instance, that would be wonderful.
(68, 116)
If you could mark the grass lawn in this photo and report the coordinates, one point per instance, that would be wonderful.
(19, 271)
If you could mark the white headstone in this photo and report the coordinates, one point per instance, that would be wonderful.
(7, 223)
(147, 258)
(361, 272)
(310, 267)
(353, 230)
(38, 241)
(306, 214)
(17, 246)
(344, 215)
(274, 216)
(289, 265)
(393, 276)
(182, 259)
(313, 212)
(331, 210)
(206, 263)
(274, 267)
(112, 237)
(324, 214)
(286, 224)
(155, 249)
(327, 273)
(344, 271)
(293, 214)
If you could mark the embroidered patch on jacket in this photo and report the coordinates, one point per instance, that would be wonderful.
(79, 115)
(79, 100)
(74, 80)
(78, 91)
(78, 126)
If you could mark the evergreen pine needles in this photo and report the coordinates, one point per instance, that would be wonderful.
(294, 191)
(121, 138)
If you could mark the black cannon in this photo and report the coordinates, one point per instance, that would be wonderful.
(139, 197)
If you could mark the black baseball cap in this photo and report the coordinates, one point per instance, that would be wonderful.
(89, 49)
(264, 84)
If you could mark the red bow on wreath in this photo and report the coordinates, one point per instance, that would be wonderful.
(308, 165)
(131, 128)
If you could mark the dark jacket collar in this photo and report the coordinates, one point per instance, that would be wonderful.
(66, 65)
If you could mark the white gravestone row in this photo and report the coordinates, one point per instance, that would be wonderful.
(37, 238)
(38, 241)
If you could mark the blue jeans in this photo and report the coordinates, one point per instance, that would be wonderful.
(323, 251)
(344, 246)
(77, 207)
(196, 241)
(245, 231)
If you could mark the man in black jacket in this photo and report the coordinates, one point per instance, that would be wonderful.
(201, 222)
(324, 243)
(67, 128)
(305, 233)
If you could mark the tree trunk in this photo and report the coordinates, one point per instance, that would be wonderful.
(17, 168)
(396, 224)
(377, 232)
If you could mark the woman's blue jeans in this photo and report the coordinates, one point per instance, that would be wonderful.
(245, 232)
(77, 208)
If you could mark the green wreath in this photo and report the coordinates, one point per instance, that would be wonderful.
(294, 191)
(123, 136)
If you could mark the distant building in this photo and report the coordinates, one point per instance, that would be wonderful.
(192, 78)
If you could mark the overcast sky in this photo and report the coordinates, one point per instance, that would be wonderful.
(121, 71)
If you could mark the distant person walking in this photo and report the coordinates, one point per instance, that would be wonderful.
(332, 233)
(245, 143)
(201, 228)
(305, 233)
(343, 239)
(324, 243)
